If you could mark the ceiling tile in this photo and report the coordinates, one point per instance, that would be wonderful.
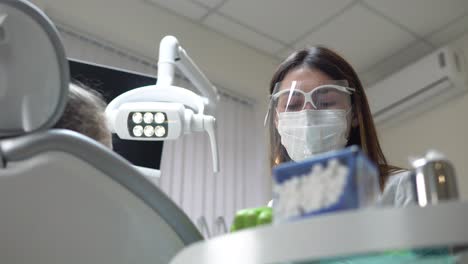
(182, 7)
(209, 3)
(395, 62)
(243, 34)
(421, 16)
(451, 32)
(283, 20)
(361, 36)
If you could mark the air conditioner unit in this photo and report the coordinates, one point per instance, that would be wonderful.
(434, 79)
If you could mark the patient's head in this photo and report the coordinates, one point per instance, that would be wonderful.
(84, 113)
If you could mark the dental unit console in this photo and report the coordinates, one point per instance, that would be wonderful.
(164, 111)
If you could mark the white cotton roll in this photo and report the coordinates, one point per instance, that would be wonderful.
(319, 188)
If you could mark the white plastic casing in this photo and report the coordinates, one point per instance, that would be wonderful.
(183, 108)
(173, 111)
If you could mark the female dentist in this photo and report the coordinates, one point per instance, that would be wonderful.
(318, 104)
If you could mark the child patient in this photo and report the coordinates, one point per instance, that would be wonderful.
(84, 113)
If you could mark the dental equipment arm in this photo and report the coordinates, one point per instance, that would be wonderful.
(164, 111)
(171, 54)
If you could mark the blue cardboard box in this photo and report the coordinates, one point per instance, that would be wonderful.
(358, 187)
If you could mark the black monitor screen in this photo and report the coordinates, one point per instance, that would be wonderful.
(111, 82)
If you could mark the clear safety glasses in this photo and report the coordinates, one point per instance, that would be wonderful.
(296, 96)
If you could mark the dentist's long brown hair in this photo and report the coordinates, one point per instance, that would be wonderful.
(333, 65)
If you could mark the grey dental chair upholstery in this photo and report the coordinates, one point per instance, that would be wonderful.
(63, 197)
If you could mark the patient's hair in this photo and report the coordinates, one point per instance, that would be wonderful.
(84, 113)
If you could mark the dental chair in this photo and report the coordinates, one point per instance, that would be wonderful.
(65, 198)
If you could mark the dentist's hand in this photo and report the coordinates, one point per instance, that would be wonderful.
(248, 218)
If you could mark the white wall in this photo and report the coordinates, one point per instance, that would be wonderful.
(445, 128)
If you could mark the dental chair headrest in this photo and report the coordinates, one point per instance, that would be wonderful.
(34, 74)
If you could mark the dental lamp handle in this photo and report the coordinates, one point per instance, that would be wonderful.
(209, 123)
(197, 122)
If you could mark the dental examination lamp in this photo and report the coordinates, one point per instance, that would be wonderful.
(164, 111)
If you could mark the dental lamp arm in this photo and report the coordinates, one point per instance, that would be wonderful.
(195, 75)
(171, 54)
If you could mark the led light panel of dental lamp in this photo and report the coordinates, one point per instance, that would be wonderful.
(149, 121)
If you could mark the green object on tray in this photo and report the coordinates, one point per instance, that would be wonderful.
(252, 217)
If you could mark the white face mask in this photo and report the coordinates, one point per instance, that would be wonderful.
(309, 132)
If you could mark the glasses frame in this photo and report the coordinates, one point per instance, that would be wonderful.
(308, 95)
